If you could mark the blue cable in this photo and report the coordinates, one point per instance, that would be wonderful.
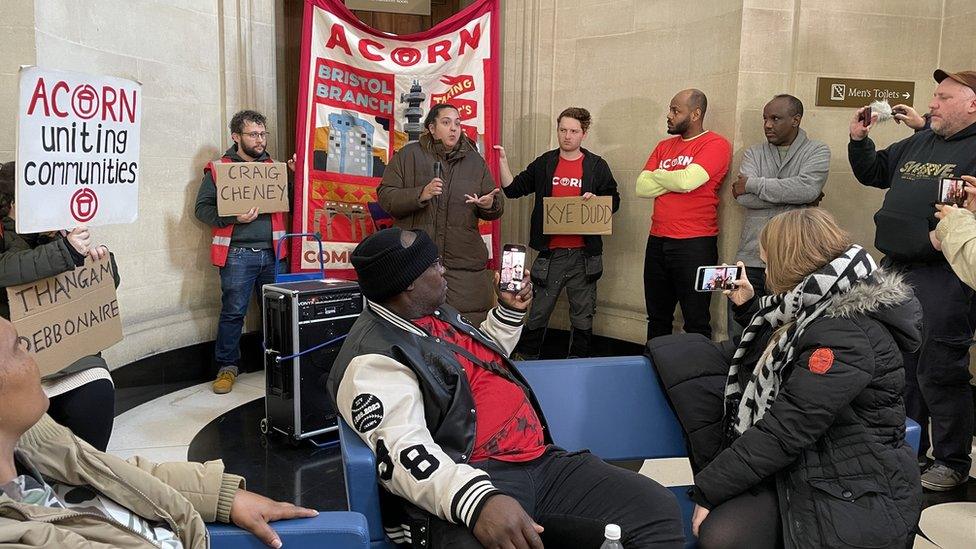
(306, 351)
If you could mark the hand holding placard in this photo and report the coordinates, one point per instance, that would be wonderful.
(80, 239)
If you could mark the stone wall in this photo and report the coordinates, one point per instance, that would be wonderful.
(199, 62)
(625, 59)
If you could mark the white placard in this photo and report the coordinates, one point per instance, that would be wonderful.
(77, 150)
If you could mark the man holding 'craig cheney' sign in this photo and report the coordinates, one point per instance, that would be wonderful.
(244, 232)
(573, 261)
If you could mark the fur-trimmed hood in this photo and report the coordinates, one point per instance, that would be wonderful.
(887, 298)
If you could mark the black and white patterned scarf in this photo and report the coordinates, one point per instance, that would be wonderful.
(798, 308)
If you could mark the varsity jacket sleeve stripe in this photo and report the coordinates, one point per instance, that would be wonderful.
(504, 327)
(380, 398)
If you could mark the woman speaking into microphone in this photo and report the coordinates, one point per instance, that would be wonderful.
(441, 185)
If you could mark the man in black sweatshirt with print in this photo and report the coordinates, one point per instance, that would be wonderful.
(937, 374)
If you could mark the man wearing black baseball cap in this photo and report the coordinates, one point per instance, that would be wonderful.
(462, 451)
(937, 375)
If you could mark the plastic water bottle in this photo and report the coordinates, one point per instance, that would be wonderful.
(612, 535)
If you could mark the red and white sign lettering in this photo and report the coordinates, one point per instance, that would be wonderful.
(77, 150)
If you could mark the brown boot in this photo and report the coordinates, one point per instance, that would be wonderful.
(224, 383)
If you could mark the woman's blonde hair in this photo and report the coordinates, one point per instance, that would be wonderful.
(799, 242)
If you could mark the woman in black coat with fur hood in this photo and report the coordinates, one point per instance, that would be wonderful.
(815, 452)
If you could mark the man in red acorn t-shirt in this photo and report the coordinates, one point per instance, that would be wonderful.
(683, 175)
(574, 262)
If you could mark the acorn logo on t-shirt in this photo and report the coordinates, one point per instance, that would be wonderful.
(567, 182)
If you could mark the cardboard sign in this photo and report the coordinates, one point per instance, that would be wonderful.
(77, 150)
(68, 316)
(245, 185)
(573, 215)
(856, 92)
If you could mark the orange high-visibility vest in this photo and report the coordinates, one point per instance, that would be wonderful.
(220, 246)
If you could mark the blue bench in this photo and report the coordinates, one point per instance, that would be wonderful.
(614, 406)
(336, 530)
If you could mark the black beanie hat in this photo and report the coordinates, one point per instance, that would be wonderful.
(385, 268)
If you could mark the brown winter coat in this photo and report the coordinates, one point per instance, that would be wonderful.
(180, 495)
(451, 222)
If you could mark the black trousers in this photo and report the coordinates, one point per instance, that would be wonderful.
(937, 375)
(670, 267)
(750, 519)
(574, 495)
(89, 411)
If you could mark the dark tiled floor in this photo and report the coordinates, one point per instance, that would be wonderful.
(302, 474)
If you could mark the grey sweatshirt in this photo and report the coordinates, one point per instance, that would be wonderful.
(775, 186)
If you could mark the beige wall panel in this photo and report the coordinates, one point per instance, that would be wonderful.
(958, 46)
(199, 62)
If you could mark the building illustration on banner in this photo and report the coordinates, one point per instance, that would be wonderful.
(350, 145)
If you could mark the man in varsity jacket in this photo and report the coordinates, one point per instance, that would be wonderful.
(464, 458)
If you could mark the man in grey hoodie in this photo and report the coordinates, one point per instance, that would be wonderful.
(788, 171)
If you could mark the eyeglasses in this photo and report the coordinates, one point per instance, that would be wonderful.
(257, 135)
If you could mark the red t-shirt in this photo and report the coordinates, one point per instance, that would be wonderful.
(693, 214)
(507, 427)
(567, 181)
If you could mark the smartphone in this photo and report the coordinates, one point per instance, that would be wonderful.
(438, 170)
(865, 116)
(717, 278)
(952, 191)
(512, 270)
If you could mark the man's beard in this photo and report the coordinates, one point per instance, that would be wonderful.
(680, 128)
(253, 153)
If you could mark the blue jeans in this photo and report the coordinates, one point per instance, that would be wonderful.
(245, 272)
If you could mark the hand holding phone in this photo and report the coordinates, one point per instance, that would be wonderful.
(952, 191)
(717, 278)
(743, 290)
(865, 117)
(512, 269)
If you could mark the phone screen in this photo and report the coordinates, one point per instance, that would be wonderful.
(512, 270)
(951, 191)
(717, 278)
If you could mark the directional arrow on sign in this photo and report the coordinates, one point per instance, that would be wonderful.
(906, 95)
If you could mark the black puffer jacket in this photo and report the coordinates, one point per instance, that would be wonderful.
(834, 442)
